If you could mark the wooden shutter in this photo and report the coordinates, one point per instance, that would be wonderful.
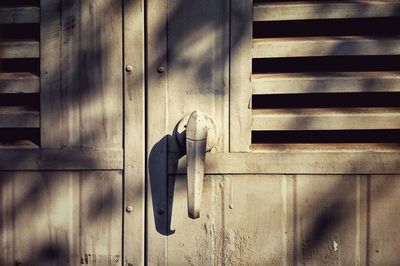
(319, 75)
(19, 74)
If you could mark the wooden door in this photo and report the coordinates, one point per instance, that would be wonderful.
(69, 109)
(306, 168)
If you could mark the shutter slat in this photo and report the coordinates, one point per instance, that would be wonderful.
(18, 117)
(324, 10)
(326, 119)
(19, 83)
(19, 49)
(339, 82)
(325, 46)
(16, 15)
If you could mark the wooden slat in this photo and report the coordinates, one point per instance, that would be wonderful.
(297, 83)
(53, 159)
(326, 119)
(325, 46)
(299, 162)
(19, 49)
(14, 15)
(297, 10)
(19, 83)
(18, 117)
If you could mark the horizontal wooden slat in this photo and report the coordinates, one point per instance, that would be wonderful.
(325, 46)
(19, 49)
(19, 83)
(339, 82)
(47, 159)
(297, 10)
(18, 117)
(11, 15)
(326, 119)
(300, 162)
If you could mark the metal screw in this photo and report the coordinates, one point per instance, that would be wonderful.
(160, 69)
(161, 211)
(129, 68)
(129, 209)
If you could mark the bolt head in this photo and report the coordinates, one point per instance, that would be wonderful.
(160, 69)
(129, 68)
(161, 211)
(129, 209)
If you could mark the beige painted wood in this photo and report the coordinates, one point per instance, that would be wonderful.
(334, 82)
(157, 115)
(240, 74)
(14, 15)
(18, 117)
(325, 46)
(383, 215)
(19, 49)
(134, 133)
(326, 119)
(319, 161)
(21, 158)
(300, 10)
(50, 74)
(61, 218)
(92, 83)
(22, 82)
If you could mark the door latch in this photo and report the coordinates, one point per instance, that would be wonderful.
(201, 136)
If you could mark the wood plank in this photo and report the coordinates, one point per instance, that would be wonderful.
(336, 82)
(19, 49)
(240, 73)
(18, 117)
(325, 46)
(14, 15)
(326, 119)
(53, 159)
(362, 161)
(19, 83)
(50, 74)
(296, 10)
(134, 133)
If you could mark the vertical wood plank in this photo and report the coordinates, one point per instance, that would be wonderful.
(50, 73)
(92, 76)
(134, 135)
(157, 116)
(240, 75)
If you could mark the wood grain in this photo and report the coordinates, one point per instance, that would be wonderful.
(19, 49)
(14, 15)
(22, 82)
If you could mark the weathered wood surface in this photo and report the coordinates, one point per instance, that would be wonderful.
(61, 218)
(325, 46)
(91, 80)
(334, 82)
(305, 219)
(240, 75)
(53, 159)
(134, 133)
(19, 49)
(50, 74)
(302, 10)
(19, 83)
(13, 15)
(18, 117)
(326, 119)
(306, 161)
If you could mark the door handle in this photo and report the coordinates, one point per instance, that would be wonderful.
(201, 137)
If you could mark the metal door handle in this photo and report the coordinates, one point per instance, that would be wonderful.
(201, 136)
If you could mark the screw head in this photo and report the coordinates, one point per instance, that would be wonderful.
(160, 69)
(161, 211)
(129, 68)
(129, 209)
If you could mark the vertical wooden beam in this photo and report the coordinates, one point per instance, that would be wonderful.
(240, 75)
(50, 56)
(134, 134)
(157, 69)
